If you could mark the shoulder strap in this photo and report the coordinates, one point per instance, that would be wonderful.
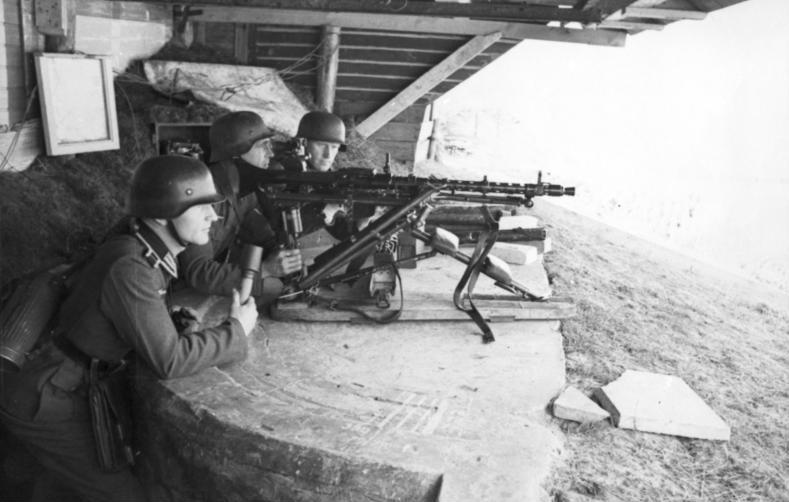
(156, 252)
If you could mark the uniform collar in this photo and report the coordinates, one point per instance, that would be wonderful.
(161, 247)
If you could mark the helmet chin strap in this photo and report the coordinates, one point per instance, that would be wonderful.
(175, 234)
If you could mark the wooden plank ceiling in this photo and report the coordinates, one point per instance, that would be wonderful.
(387, 45)
(373, 65)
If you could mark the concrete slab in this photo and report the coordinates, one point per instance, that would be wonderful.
(665, 404)
(359, 412)
(572, 404)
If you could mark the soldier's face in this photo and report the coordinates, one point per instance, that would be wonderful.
(259, 154)
(321, 154)
(195, 223)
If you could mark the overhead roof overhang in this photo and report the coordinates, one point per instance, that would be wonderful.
(391, 58)
(600, 22)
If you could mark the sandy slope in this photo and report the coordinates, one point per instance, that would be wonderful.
(646, 308)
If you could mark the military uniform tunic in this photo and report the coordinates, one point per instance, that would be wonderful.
(117, 307)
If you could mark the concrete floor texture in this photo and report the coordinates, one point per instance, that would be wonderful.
(412, 410)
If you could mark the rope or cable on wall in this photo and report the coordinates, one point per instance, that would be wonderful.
(12, 146)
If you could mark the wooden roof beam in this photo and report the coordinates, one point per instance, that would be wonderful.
(712, 5)
(608, 7)
(488, 10)
(399, 22)
(626, 24)
(663, 14)
(426, 82)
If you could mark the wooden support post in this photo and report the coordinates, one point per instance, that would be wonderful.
(199, 29)
(241, 43)
(423, 84)
(432, 148)
(327, 72)
(52, 17)
(32, 42)
(56, 19)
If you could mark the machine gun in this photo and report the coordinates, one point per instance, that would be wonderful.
(407, 201)
(365, 186)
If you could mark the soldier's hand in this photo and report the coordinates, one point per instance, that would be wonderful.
(246, 313)
(186, 320)
(282, 263)
(333, 211)
(361, 223)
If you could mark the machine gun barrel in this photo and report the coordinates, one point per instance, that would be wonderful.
(353, 181)
(343, 197)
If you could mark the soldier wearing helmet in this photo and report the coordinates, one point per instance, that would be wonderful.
(320, 136)
(324, 136)
(116, 307)
(240, 145)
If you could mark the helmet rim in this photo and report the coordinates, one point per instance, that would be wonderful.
(322, 126)
(166, 186)
(234, 134)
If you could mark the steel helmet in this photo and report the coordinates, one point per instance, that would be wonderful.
(322, 126)
(234, 134)
(166, 186)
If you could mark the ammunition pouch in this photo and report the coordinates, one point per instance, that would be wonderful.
(110, 417)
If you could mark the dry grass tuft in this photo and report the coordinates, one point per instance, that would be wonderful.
(644, 308)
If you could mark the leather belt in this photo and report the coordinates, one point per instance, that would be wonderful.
(76, 354)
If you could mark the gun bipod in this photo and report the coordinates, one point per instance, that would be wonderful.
(505, 282)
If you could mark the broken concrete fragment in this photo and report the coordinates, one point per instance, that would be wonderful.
(573, 405)
(664, 404)
(520, 221)
(516, 254)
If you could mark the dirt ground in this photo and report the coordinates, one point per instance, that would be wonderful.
(641, 307)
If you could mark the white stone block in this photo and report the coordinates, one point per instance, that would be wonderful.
(519, 221)
(664, 404)
(543, 246)
(573, 405)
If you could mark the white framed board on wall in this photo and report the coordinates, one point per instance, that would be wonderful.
(77, 103)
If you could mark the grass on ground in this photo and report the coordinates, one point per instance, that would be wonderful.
(644, 308)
